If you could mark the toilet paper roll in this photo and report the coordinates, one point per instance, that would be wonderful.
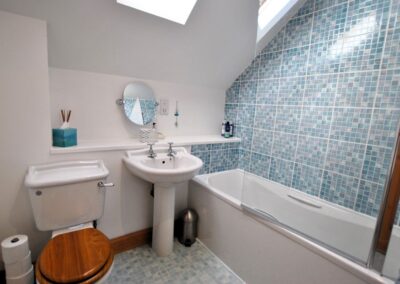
(27, 278)
(14, 248)
(18, 268)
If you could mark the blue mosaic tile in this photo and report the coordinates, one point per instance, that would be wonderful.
(205, 157)
(232, 94)
(194, 265)
(287, 119)
(223, 146)
(276, 44)
(223, 160)
(270, 65)
(333, 86)
(231, 112)
(201, 148)
(291, 91)
(265, 117)
(324, 57)
(260, 165)
(367, 15)
(391, 54)
(320, 90)
(345, 158)
(323, 4)
(251, 72)
(294, 62)
(339, 189)
(245, 115)
(376, 164)
(281, 171)
(384, 127)
(351, 124)
(357, 89)
(362, 52)
(297, 31)
(329, 23)
(284, 146)
(369, 198)
(267, 91)
(311, 151)
(394, 16)
(246, 136)
(316, 121)
(307, 179)
(388, 94)
(262, 141)
(244, 160)
(248, 91)
(307, 8)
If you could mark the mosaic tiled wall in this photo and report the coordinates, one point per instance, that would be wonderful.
(217, 157)
(318, 108)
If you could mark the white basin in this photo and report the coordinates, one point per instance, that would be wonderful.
(163, 169)
(164, 172)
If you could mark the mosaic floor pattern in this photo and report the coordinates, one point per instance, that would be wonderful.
(185, 265)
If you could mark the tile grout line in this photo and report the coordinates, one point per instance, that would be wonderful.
(321, 138)
(303, 93)
(318, 106)
(268, 172)
(320, 74)
(332, 116)
(374, 104)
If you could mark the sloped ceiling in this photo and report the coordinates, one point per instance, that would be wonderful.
(216, 44)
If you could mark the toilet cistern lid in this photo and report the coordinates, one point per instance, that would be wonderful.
(61, 173)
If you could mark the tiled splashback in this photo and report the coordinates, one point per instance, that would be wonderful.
(217, 157)
(318, 109)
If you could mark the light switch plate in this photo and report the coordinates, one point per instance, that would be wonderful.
(164, 107)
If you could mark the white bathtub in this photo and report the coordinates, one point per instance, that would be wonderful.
(231, 220)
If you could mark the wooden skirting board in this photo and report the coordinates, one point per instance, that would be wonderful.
(131, 241)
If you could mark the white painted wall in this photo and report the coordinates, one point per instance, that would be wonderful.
(26, 132)
(101, 36)
(91, 97)
(24, 119)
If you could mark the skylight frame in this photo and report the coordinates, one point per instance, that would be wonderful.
(266, 20)
(177, 11)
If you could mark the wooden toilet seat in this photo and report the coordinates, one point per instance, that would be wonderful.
(82, 256)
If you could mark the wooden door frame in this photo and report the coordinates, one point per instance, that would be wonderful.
(392, 201)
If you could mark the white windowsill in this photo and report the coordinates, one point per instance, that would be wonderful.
(129, 144)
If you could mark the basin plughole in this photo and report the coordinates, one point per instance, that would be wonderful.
(165, 172)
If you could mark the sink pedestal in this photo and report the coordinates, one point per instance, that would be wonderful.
(163, 219)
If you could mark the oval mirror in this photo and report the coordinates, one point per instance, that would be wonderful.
(139, 103)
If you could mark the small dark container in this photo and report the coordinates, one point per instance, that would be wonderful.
(186, 227)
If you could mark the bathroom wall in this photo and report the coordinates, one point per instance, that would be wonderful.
(319, 108)
(24, 120)
(91, 97)
(32, 95)
(102, 36)
(217, 157)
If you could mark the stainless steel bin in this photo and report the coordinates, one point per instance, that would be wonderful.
(186, 227)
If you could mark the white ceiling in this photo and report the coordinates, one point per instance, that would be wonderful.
(215, 45)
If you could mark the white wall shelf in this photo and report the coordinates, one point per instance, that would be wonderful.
(130, 144)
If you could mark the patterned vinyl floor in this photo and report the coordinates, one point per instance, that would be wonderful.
(185, 265)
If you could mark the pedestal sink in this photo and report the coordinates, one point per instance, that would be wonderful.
(165, 172)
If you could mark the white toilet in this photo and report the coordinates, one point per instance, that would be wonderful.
(66, 198)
